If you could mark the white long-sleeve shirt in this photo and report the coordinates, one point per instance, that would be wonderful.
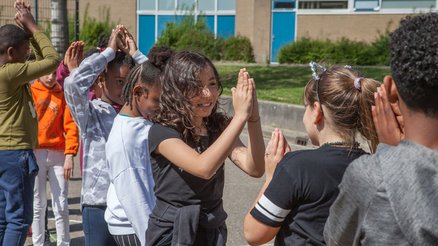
(131, 197)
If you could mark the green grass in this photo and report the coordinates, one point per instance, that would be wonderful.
(282, 83)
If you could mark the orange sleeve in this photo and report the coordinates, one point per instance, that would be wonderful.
(71, 133)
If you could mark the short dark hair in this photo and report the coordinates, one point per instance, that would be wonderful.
(414, 62)
(11, 36)
(121, 59)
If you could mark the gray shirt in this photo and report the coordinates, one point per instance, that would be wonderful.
(389, 198)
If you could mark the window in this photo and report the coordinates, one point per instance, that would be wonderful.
(166, 5)
(323, 4)
(412, 4)
(225, 26)
(206, 5)
(147, 5)
(226, 4)
(366, 4)
(186, 4)
(283, 4)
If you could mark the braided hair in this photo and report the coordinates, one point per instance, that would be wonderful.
(148, 72)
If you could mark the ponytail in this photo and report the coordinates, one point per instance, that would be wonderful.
(365, 123)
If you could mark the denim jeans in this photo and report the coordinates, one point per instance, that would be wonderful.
(18, 169)
(95, 227)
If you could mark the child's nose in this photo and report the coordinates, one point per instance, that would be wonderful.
(206, 92)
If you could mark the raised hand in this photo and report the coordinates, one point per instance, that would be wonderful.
(24, 17)
(115, 40)
(387, 118)
(129, 46)
(243, 96)
(74, 55)
(254, 117)
(275, 150)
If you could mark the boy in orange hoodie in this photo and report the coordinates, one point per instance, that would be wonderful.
(58, 140)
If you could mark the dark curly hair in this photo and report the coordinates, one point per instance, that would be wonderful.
(149, 72)
(414, 62)
(180, 82)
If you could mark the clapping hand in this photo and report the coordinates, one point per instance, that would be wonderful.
(24, 17)
(74, 55)
(128, 44)
(387, 118)
(275, 150)
(243, 95)
(116, 39)
(254, 117)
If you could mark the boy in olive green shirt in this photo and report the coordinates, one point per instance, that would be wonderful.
(18, 121)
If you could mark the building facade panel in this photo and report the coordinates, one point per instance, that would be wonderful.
(364, 27)
(119, 13)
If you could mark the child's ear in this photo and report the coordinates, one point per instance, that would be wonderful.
(317, 113)
(11, 52)
(139, 90)
(100, 80)
(391, 89)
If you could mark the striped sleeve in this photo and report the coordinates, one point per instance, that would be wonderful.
(269, 213)
(277, 202)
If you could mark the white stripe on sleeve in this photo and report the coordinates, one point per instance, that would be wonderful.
(270, 210)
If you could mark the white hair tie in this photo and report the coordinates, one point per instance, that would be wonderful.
(357, 84)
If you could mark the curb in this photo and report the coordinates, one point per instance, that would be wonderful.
(287, 117)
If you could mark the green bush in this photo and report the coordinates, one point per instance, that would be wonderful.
(192, 35)
(189, 34)
(238, 49)
(92, 30)
(342, 51)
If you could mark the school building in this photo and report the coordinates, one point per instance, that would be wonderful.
(270, 24)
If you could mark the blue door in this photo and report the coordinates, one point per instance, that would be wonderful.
(146, 33)
(283, 31)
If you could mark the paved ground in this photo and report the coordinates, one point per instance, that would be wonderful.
(240, 192)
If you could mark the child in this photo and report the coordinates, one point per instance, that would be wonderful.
(391, 197)
(58, 143)
(188, 146)
(94, 119)
(18, 121)
(130, 195)
(294, 202)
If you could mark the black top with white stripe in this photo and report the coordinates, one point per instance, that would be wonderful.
(304, 186)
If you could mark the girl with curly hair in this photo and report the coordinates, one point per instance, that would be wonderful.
(189, 143)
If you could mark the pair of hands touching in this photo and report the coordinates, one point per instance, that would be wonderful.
(120, 39)
(246, 106)
(24, 17)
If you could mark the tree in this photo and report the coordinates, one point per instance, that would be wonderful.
(59, 25)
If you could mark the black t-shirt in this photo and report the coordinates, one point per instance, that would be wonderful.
(304, 186)
(177, 187)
